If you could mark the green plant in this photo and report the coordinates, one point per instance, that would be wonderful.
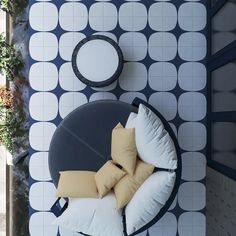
(13, 7)
(10, 61)
(10, 130)
(7, 130)
(12, 117)
(6, 98)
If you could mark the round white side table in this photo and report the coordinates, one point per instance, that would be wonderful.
(97, 61)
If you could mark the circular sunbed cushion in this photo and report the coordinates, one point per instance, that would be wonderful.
(71, 149)
(83, 139)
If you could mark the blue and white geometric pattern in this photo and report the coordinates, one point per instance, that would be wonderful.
(164, 46)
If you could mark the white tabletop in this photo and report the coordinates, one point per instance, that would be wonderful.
(97, 60)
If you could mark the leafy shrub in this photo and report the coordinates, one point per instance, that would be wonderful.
(12, 117)
(10, 60)
(13, 7)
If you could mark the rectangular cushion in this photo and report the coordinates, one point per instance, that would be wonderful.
(107, 177)
(77, 184)
(123, 148)
(128, 185)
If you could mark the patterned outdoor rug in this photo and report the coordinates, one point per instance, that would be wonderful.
(164, 46)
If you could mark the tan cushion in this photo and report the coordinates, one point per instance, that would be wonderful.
(123, 148)
(128, 185)
(77, 184)
(107, 177)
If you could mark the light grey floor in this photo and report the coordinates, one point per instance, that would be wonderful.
(221, 204)
(2, 192)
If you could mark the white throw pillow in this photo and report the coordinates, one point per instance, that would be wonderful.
(131, 120)
(148, 200)
(97, 217)
(154, 144)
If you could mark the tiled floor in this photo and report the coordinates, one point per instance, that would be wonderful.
(164, 46)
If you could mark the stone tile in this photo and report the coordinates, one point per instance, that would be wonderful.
(2, 223)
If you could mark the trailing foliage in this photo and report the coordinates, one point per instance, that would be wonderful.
(10, 60)
(13, 7)
(12, 117)
(6, 98)
(12, 107)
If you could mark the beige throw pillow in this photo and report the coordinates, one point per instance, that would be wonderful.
(107, 177)
(128, 185)
(77, 184)
(123, 148)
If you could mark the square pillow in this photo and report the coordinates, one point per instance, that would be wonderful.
(107, 177)
(97, 217)
(128, 185)
(123, 148)
(148, 200)
(153, 142)
(77, 184)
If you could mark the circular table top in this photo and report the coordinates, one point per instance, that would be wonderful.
(97, 61)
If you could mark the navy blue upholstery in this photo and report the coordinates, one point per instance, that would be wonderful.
(83, 142)
(83, 139)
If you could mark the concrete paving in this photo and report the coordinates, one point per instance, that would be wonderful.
(3, 156)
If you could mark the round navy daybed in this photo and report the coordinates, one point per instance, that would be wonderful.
(83, 141)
